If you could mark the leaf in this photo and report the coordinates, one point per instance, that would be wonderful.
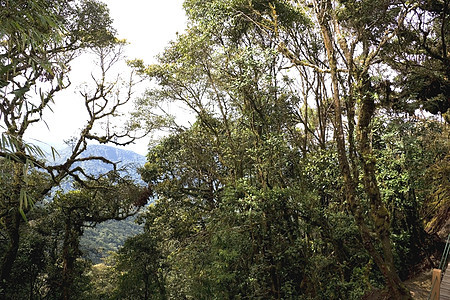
(21, 92)
(22, 213)
(23, 199)
(54, 153)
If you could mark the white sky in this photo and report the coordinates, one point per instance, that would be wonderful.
(148, 26)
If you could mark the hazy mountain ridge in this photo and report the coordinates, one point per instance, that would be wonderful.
(125, 159)
(108, 236)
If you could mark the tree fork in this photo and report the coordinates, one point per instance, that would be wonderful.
(379, 213)
(395, 286)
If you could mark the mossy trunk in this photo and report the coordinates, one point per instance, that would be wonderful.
(70, 252)
(379, 213)
(12, 225)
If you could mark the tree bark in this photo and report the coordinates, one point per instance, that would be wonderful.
(69, 256)
(379, 213)
(12, 223)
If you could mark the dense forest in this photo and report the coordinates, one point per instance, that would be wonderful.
(317, 165)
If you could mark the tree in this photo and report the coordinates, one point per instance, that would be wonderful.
(418, 55)
(358, 75)
(242, 240)
(39, 39)
(113, 198)
(290, 146)
(233, 199)
(139, 263)
(355, 37)
(405, 156)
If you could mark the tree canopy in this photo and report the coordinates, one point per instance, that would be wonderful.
(38, 41)
(316, 167)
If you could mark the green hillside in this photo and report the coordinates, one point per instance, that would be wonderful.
(97, 243)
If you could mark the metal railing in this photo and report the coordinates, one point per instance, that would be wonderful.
(444, 259)
(434, 293)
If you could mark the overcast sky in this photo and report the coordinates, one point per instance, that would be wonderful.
(148, 26)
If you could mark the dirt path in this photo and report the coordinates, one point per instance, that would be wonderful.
(420, 285)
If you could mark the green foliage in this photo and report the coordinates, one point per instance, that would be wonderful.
(139, 264)
(406, 152)
(98, 242)
(256, 199)
(49, 259)
(38, 40)
(419, 57)
(250, 202)
(233, 238)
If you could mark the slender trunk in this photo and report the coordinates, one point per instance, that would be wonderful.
(32, 281)
(13, 219)
(67, 264)
(69, 256)
(379, 213)
(12, 224)
(161, 286)
(146, 286)
(338, 125)
(385, 264)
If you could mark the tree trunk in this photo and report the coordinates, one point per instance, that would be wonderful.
(69, 256)
(146, 286)
(385, 264)
(379, 213)
(12, 225)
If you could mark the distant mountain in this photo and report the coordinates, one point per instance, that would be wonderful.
(125, 159)
(108, 236)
